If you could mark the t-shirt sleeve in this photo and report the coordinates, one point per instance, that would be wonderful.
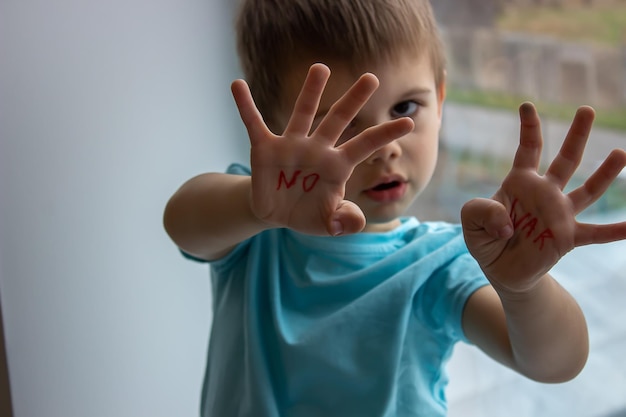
(444, 296)
(238, 169)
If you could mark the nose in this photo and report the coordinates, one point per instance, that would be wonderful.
(390, 151)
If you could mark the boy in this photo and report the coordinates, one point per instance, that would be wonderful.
(327, 302)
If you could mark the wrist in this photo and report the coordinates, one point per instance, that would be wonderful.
(256, 220)
(516, 293)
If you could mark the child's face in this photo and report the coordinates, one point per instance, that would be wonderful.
(386, 183)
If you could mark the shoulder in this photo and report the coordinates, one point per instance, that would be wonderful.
(257, 249)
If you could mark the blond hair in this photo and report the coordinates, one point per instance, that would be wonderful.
(274, 34)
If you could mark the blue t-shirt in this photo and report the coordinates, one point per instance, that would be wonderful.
(357, 325)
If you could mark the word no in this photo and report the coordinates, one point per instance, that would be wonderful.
(529, 223)
(308, 181)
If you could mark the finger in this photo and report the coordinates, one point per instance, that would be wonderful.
(528, 152)
(489, 215)
(370, 140)
(587, 234)
(597, 184)
(346, 108)
(347, 219)
(308, 101)
(250, 115)
(571, 152)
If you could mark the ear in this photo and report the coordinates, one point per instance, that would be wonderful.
(441, 94)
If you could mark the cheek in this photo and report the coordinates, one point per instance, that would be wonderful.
(357, 182)
(352, 186)
(424, 157)
(432, 152)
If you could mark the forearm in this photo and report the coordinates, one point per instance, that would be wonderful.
(547, 332)
(210, 214)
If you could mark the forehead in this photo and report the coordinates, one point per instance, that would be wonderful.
(396, 76)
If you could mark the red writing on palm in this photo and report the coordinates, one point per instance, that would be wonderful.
(528, 223)
(308, 181)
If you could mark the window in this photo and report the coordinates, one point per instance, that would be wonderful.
(559, 54)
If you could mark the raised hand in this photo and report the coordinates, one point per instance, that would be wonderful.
(529, 224)
(299, 177)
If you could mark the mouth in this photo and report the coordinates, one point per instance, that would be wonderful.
(387, 191)
(386, 186)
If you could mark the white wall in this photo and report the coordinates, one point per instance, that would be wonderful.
(105, 108)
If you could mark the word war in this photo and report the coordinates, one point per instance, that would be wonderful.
(528, 223)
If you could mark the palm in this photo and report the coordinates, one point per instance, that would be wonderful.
(298, 178)
(298, 183)
(541, 216)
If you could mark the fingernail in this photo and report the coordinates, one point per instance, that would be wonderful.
(506, 232)
(526, 108)
(336, 228)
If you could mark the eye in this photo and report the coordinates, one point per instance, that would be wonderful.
(405, 109)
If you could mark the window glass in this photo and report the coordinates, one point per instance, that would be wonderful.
(559, 54)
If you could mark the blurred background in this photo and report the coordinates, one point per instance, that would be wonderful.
(107, 107)
(559, 54)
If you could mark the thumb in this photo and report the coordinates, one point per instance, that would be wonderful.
(347, 219)
(488, 215)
